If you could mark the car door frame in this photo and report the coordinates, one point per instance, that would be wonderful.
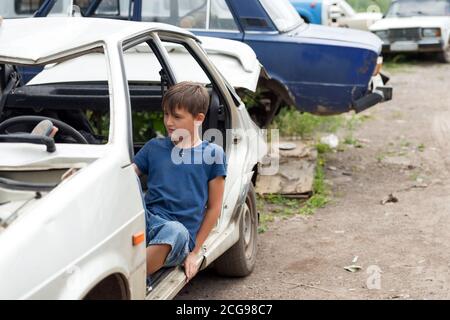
(233, 150)
(218, 241)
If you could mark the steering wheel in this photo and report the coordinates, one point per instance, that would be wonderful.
(29, 122)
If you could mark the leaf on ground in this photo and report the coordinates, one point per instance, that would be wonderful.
(353, 268)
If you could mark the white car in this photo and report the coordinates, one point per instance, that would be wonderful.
(72, 220)
(341, 14)
(416, 26)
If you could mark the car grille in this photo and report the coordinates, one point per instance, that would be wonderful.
(404, 34)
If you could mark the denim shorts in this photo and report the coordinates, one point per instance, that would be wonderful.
(173, 233)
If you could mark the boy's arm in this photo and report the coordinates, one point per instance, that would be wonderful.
(136, 169)
(215, 190)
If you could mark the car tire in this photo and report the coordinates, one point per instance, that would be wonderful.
(240, 259)
(444, 56)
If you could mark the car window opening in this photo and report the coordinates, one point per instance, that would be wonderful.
(79, 109)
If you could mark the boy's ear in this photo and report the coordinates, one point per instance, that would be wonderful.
(200, 117)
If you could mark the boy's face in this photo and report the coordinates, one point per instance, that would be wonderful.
(182, 121)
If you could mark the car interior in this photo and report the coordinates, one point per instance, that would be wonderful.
(81, 110)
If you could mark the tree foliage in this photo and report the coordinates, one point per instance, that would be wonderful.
(364, 5)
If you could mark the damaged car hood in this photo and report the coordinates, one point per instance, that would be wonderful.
(344, 36)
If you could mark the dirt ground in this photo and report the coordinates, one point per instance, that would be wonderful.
(403, 248)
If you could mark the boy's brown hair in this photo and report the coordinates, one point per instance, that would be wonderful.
(188, 95)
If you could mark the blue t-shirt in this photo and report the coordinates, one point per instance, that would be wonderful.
(177, 180)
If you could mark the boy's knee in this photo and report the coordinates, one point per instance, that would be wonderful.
(175, 227)
(178, 237)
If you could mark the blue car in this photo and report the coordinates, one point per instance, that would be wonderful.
(311, 11)
(321, 70)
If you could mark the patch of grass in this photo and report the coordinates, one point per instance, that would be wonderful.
(364, 117)
(291, 122)
(397, 63)
(354, 121)
(350, 140)
(380, 157)
(405, 143)
(319, 176)
(320, 191)
(264, 220)
(277, 206)
(313, 203)
(277, 199)
(322, 148)
(421, 147)
(351, 126)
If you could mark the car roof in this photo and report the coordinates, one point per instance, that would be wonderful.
(37, 40)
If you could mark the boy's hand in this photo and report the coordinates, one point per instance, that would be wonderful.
(190, 265)
(53, 132)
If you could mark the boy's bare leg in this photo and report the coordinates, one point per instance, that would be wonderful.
(156, 256)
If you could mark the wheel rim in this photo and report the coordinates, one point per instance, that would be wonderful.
(248, 231)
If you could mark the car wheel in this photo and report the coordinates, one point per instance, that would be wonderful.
(240, 259)
(444, 56)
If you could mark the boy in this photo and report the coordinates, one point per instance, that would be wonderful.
(185, 189)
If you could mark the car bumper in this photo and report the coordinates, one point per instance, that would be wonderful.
(431, 45)
(380, 92)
